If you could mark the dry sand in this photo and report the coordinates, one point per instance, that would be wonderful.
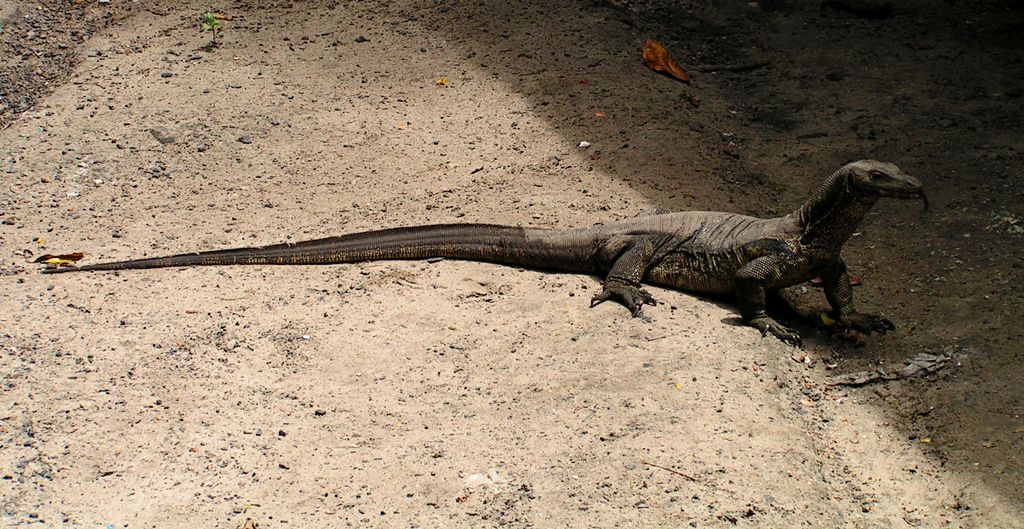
(414, 394)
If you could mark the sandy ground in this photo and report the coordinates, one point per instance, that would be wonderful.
(413, 394)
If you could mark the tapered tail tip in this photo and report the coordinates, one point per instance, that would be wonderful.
(58, 270)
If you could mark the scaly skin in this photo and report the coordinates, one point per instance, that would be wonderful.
(697, 251)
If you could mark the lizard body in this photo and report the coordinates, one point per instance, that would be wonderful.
(697, 251)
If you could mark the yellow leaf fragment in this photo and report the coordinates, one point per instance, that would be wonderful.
(60, 260)
(826, 320)
(442, 82)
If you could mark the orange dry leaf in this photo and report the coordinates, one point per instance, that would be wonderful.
(60, 260)
(854, 281)
(660, 60)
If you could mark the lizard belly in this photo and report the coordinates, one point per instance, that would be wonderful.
(702, 273)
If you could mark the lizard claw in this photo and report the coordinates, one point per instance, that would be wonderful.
(866, 323)
(633, 298)
(767, 325)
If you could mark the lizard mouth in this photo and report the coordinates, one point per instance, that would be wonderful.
(914, 194)
(905, 194)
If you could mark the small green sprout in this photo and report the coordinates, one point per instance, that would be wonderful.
(210, 23)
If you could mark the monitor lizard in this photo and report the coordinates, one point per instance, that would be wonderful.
(697, 251)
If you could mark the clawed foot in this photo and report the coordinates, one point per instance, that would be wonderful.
(631, 297)
(767, 325)
(866, 323)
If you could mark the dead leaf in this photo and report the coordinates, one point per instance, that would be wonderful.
(854, 282)
(921, 364)
(461, 499)
(249, 524)
(60, 260)
(222, 16)
(657, 58)
(599, 114)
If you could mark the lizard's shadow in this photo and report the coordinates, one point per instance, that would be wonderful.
(780, 307)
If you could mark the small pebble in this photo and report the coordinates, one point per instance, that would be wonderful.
(165, 75)
(245, 139)
(362, 39)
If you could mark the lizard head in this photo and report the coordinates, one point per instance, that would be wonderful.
(881, 179)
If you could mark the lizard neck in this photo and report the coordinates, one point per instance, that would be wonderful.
(833, 212)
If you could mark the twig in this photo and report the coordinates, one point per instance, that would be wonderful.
(676, 472)
(739, 67)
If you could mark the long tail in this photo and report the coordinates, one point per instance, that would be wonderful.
(570, 250)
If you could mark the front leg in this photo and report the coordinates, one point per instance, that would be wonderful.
(751, 285)
(840, 296)
(623, 280)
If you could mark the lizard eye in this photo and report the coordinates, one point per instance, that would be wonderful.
(877, 175)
